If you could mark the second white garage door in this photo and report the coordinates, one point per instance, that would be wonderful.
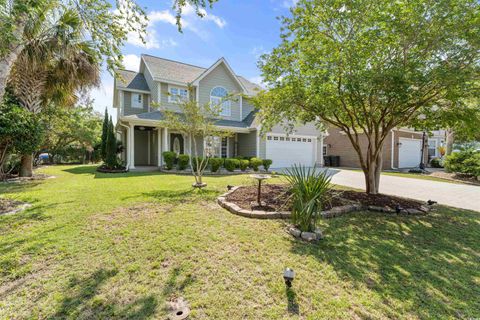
(285, 151)
(409, 153)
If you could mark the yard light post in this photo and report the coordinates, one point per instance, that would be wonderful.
(288, 276)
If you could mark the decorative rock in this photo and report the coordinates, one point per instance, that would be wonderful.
(375, 208)
(387, 209)
(294, 232)
(425, 209)
(309, 236)
(414, 212)
(319, 234)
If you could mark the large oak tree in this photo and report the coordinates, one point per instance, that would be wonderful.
(369, 66)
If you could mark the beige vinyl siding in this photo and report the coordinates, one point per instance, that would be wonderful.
(247, 107)
(220, 77)
(247, 144)
(127, 104)
(199, 141)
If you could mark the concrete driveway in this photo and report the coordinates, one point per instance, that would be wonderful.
(450, 194)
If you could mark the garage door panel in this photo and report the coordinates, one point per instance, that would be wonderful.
(409, 153)
(286, 151)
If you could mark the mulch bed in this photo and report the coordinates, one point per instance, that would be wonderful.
(380, 200)
(278, 198)
(7, 205)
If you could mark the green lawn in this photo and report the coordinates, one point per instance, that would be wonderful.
(120, 246)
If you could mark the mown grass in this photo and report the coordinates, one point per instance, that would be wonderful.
(119, 246)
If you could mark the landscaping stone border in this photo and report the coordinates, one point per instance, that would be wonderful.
(332, 213)
(256, 214)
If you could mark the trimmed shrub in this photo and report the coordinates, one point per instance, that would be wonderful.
(231, 164)
(169, 159)
(255, 163)
(309, 190)
(215, 164)
(466, 162)
(183, 160)
(267, 163)
(243, 164)
(196, 161)
(436, 163)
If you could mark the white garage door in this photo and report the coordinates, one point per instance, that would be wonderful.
(409, 153)
(286, 151)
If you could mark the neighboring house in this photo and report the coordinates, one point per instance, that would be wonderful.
(160, 81)
(402, 148)
(435, 141)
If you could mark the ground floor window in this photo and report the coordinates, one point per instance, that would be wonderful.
(216, 147)
(432, 148)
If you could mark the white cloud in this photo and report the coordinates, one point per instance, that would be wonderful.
(257, 80)
(190, 21)
(131, 62)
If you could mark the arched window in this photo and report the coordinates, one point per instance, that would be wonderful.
(217, 97)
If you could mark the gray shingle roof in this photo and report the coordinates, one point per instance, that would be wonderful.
(159, 115)
(132, 80)
(182, 72)
(172, 70)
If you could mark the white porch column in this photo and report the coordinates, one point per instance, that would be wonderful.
(159, 146)
(132, 146)
(165, 139)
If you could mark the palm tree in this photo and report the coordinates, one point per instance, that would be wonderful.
(53, 66)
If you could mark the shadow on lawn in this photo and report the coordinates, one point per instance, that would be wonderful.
(83, 302)
(430, 261)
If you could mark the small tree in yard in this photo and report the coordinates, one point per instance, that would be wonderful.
(196, 121)
(111, 161)
(103, 145)
(370, 66)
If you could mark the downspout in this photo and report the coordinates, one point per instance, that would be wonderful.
(128, 145)
(393, 150)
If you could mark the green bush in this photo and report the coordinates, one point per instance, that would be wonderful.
(231, 164)
(198, 160)
(309, 191)
(243, 164)
(436, 163)
(183, 160)
(169, 159)
(466, 162)
(255, 163)
(215, 164)
(267, 163)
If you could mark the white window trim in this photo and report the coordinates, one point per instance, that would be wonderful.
(171, 98)
(436, 146)
(134, 101)
(222, 113)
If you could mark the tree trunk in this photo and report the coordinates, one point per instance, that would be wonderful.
(26, 169)
(14, 49)
(450, 139)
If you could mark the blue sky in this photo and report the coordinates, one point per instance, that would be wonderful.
(239, 30)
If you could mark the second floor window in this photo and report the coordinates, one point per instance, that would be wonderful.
(137, 101)
(177, 94)
(217, 97)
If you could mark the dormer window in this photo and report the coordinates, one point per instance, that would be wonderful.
(137, 100)
(177, 94)
(217, 96)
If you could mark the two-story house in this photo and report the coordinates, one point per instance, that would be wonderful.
(142, 96)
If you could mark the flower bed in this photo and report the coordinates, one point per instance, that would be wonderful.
(276, 203)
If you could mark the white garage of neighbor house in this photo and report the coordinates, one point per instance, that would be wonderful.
(410, 152)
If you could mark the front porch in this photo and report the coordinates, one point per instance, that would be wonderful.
(144, 145)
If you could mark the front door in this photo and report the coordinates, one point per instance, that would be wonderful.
(176, 143)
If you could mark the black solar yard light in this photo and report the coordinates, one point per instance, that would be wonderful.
(288, 276)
